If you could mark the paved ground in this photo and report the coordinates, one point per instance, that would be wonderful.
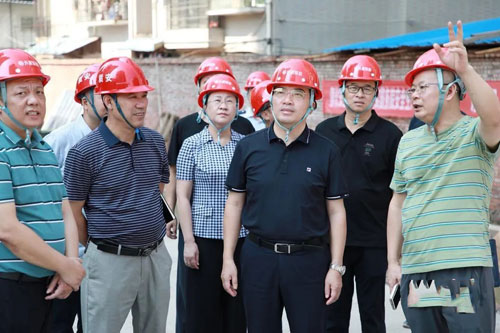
(394, 319)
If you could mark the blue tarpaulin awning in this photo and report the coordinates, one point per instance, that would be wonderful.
(478, 32)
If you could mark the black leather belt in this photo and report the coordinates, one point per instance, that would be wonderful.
(20, 277)
(287, 248)
(113, 248)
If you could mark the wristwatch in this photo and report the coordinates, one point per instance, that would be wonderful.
(338, 268)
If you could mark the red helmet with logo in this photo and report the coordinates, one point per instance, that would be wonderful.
(296, 72)
(120, 75)
(255, 78)
(221, 82)
(213, 65)
(360, 68)
(428, 60)
(86, 80)
(259, 96)
(15, 64)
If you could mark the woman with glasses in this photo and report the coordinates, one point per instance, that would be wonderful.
(202, 167)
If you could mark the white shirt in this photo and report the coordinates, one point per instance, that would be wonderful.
(62, 140)
(65, 137)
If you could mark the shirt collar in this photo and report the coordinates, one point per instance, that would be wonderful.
(303, 137)
(109, 137)
(207, 137)
(36, 138)
(369, 126)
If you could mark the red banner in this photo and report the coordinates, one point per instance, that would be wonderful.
(391, 101)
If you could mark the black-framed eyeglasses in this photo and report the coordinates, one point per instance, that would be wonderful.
(367, 90)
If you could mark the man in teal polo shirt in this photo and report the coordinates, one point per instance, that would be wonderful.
(437, 226)
(37, 227)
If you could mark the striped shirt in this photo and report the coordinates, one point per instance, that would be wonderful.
(31, 179)
(448, 183)
(120, 185)
(205, 162)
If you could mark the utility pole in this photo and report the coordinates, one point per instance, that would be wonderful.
(11, 35)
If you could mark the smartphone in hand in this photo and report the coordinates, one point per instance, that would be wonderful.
(395, 296)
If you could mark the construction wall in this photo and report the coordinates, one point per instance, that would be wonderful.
(175, 93)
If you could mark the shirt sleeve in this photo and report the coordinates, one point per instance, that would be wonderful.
(165, 172)
(236, 178)
(77, 175)
(6, 191)
(398, 182)
(480, 142)
(336, 186)
(186, 161)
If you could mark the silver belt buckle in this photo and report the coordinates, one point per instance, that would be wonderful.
(288, 247)
(146, 252)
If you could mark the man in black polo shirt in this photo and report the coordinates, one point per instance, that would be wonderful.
(368, 145)
(116, 174)
(285, 186)
(183, 129)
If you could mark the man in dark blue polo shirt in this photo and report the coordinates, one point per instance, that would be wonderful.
(368, 145)
(116, 174)
(286, 188)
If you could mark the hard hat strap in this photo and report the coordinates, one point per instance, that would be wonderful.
(92, 103)
(310, 108)
(210, 122)
(138, 133)
(27, 139)
(368, 108)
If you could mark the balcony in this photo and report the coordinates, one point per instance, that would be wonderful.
(98, 13)
(236, 7)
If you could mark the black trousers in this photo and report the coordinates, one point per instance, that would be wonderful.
(294, 281)
(63, 314)
(180, 300)
(366, 265)
(208, 307)
(23, 307)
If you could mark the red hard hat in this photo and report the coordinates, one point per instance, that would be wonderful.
(86, 80)
(296, 72)
(259, 96)
(360, 68)
(213, 65)
(221, 82)
(15, 64)
(255, 78)
(428, 60)
(120, 76)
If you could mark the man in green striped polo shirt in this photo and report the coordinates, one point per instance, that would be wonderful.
(437, 226)
(38, 237)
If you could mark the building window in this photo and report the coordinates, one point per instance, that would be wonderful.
(188, 14)
(26, 23)
(100, 10)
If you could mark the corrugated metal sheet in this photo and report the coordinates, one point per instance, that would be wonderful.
(60, 45)
(479, 32)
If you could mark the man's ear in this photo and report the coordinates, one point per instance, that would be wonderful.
(107, 101)
(450, 94)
